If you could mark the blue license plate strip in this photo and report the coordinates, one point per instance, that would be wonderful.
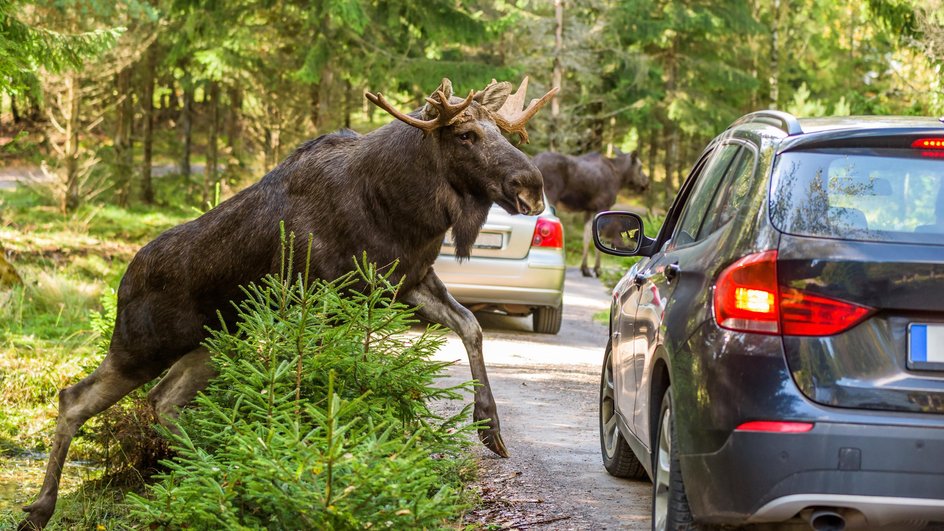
(926, 346)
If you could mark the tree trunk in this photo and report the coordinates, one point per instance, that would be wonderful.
(186, 127)
(273, 136)
(347, 104)
(671, 130)
(558, 74)
(597, 126)
(35, 110)
(233, 125)
(147, 103)
(653, 155)
(314, 113)
(14, 110)
(775, 56)
(123, 147)
(209, 181)
(172, 101)
(71, 107)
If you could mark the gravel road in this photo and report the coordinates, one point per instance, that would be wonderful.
(547, 391)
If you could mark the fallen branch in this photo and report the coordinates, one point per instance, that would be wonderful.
(522, 525)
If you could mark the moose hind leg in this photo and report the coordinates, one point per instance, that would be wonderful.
(437, 305)
(596, 262)
(587, 238)
(95, 393)
(187, 377)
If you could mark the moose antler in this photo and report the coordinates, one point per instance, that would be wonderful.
(446, 112)
(512, 119)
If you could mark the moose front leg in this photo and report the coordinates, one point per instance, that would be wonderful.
(587, 240)
(436, 304)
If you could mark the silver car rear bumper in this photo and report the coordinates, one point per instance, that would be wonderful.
(535, 281)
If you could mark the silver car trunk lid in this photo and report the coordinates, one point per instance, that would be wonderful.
(503, 236)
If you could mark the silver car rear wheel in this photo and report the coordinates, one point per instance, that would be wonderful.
(547, 319)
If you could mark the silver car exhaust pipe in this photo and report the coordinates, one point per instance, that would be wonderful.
(827, 520)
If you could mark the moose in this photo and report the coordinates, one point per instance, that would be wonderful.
(589, 184)
(392, 194)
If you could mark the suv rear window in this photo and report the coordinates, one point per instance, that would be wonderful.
(890, 195)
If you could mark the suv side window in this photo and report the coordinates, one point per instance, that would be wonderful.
(730, 198)
(702, 194)
(684, 195)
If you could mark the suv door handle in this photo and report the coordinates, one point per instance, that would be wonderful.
(672, 271)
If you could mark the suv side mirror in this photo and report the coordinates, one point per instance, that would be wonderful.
(620, 234)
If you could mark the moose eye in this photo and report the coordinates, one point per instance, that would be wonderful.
(468, 136)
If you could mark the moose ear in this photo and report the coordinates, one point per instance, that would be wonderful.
(494, 95)
(445, 87)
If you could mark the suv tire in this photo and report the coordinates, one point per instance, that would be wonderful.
(618, 458)
(670, 509)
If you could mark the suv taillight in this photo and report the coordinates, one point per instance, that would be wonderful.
(746, 295)
(548, 233)
(748, 298)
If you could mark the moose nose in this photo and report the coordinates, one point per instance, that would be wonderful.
(530, 206)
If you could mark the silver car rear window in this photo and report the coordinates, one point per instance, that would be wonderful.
(888, 195)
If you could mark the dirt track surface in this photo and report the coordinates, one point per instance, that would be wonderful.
(546, 388)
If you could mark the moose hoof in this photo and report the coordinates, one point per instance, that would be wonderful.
(493, 441)
(586, 271)
(596, 272)
(38, 516)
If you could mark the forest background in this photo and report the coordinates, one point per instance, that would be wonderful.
(121, 119)
(219, 92)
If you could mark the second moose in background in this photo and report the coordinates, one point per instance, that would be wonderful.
(589, 184)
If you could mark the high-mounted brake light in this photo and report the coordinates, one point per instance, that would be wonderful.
(749, 298)
(548, 233)
(928, 143)
(771, 426)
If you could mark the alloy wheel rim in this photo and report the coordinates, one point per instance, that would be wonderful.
(663, 468)
(608, 428)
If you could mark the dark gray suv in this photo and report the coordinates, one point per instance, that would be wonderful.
(778, 355)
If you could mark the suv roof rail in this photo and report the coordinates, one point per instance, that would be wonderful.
(784, 120)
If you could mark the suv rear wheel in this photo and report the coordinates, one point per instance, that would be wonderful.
(547, 319)
(618, 458)
(670, 510)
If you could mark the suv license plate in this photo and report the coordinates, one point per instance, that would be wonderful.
(926, 346)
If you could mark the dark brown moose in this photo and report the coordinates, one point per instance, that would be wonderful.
(589, 184)
(391, 194)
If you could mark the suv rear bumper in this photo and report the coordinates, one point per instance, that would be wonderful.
(537, 280)
(874, 474)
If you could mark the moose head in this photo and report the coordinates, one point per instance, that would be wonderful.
(631, 171)
(468, 134)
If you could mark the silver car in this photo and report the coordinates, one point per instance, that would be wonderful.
(516, 268)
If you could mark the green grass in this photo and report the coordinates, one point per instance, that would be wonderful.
(602, 317)
(47, 341)
(66, 262)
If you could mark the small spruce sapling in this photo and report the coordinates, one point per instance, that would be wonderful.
(319, 418)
